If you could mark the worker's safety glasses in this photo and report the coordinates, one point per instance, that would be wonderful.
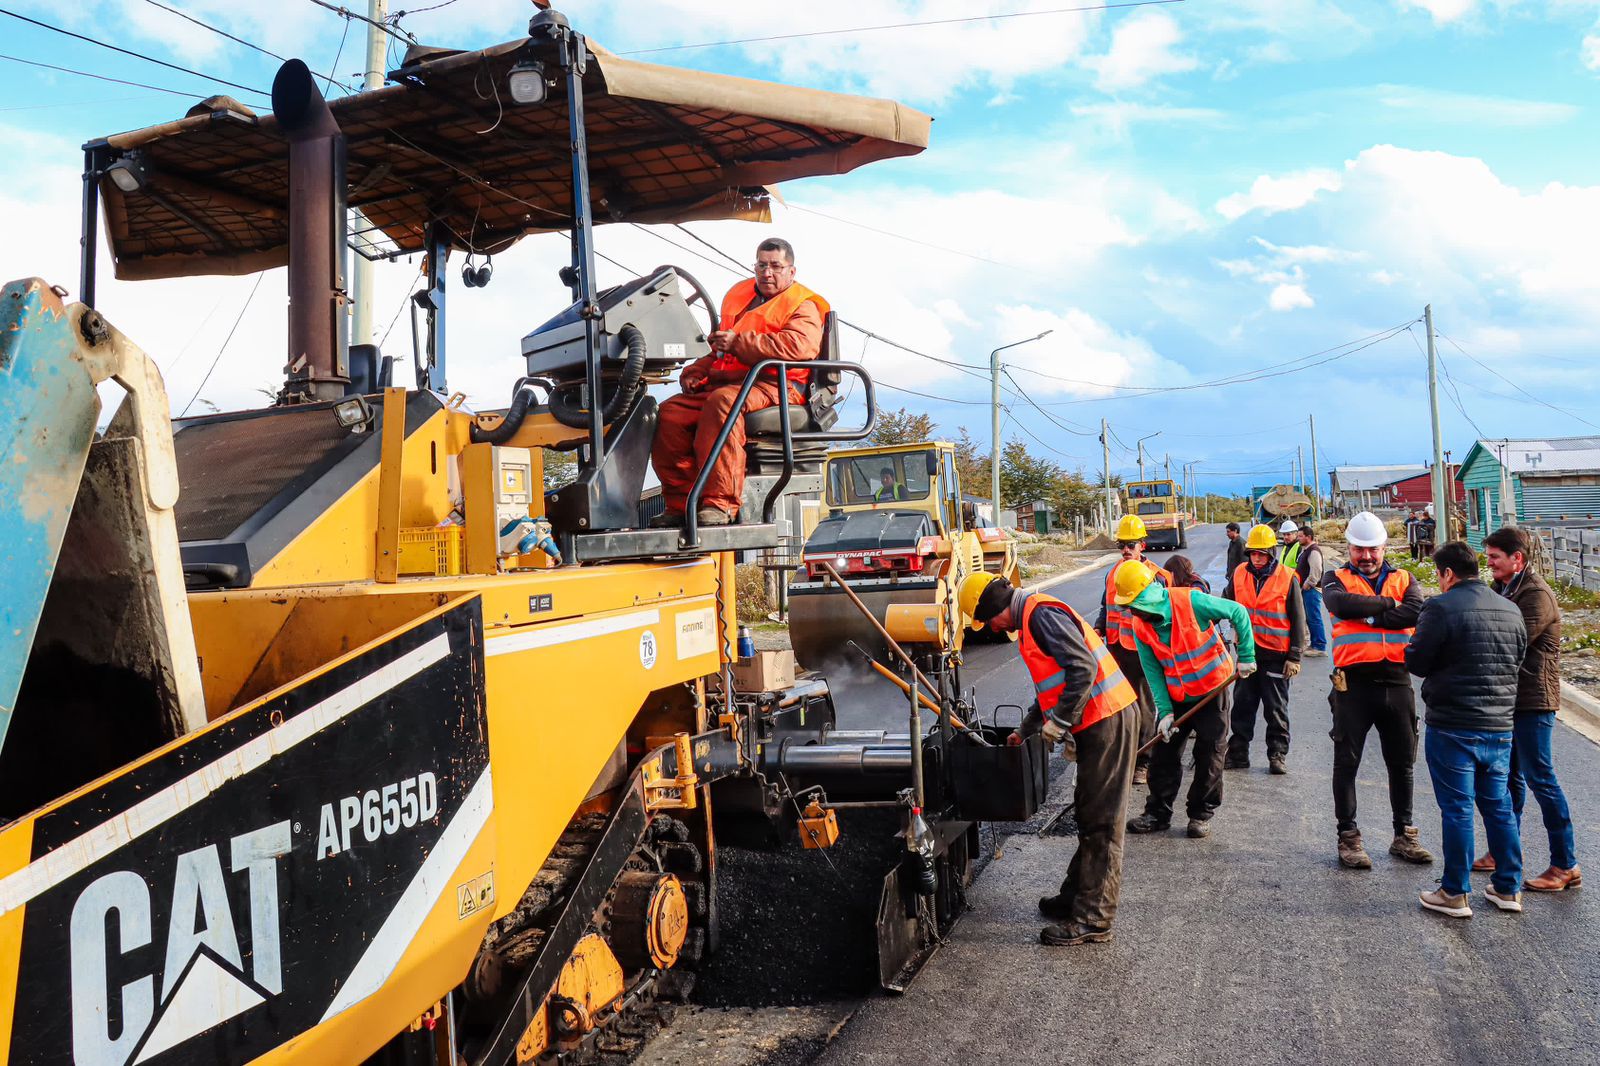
(770, 268)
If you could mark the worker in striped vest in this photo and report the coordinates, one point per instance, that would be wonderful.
(1114, 623)
(1270, 590)
(1083, 702)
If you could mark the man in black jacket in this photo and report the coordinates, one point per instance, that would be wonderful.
(1468, 648)
(1235, 548)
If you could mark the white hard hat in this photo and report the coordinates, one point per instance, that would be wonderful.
(1366, 530)
(1288, 527)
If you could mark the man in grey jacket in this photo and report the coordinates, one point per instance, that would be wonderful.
(1468, 648)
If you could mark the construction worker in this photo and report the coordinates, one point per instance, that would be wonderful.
(888, 487)
(1115, 625)
(769, 316)
(1374, 608)
(1185, 661)
(1085, 703)
(1288, 536)
(1270, 591)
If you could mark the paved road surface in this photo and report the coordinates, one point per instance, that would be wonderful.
(1253, 945)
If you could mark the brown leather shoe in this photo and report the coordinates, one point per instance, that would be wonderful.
(1483, 864)
(1555, 879)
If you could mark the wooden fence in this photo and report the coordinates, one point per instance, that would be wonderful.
(1571, 555)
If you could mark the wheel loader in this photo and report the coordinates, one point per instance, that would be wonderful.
(900, 533)
(326, 734)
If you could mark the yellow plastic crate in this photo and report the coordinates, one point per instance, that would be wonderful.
(427, 550)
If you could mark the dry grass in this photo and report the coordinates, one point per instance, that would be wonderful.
(750, 592)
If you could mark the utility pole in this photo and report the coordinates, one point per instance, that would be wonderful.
(1299, 469)
(994, 410)
(1316, 475)
(1105, 444)
(1441, 495)
(362, 278)
(1169, 466)
(1141, 460)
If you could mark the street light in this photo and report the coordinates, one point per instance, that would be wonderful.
(1139, 444)
(994, 404)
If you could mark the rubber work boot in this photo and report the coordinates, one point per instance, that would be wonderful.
(1351, 853)
(1555, 879)
(1072, 934)
(1058, 906)
(1406, 846)
(1277, 764)
(1443, 902)
(1146, 824)
(1198, 829)
(710, 516)
(1511, 903)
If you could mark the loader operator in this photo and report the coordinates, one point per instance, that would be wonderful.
(769, 316)
(1186, 661)
(1115, 624)
(1085, 703)
(1270, 591)
(1374, 608)
(888, 487)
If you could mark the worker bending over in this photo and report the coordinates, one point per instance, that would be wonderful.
(770, 316)
(1084, 702)
(1374, 608)
(1270, 591)
(1185, 660)
(1115, 625)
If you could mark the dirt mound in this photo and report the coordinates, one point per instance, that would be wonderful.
(1099, 542)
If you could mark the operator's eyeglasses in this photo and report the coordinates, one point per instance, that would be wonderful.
(769, 268)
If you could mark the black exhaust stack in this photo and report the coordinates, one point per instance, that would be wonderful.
(319, 361)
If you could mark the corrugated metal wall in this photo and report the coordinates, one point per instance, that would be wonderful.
(1558, 501)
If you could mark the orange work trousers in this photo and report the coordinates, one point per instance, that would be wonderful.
(687, 429)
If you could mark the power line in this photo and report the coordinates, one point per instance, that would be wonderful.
(224, 33)
(1053, 421)
(127, 52)
(1514, 385)
(901, 26)
(97, 77)
(73, 103)
(902, 237)
(336, 56)
(347, 15)
(224, 346)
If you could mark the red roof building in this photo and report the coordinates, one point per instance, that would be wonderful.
(1416, 492)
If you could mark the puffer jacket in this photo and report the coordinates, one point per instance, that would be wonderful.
(1468, 649)
(1539, 683)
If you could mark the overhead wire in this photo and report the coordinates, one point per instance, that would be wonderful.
(346, 14)
(224, 33)
(129, 52)
(337, 55)
(916, 24)
(224, 346)
(1514, 385)
(98, 77)
(902, 237)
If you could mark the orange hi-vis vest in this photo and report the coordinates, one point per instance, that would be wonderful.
(1268, 607)
(1355, 642)
(770, 317)
(1110, 693)
(1119, 620)
(1197, 660)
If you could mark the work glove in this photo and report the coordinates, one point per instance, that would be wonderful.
(1166, 725)
(1053, 731)
(1244, 670)
(1291, 669)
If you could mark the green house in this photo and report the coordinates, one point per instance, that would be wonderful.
(1553, 481)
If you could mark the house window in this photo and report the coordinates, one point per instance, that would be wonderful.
(1472, 507)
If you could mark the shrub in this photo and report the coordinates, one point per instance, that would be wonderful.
(750, 593)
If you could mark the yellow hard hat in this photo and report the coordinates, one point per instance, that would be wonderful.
(972, 587)
(1261, 539)
(1132, 577)
(1130, 528)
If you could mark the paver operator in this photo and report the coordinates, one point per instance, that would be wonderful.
(1085, 703)
(1374, 608)
(769, 316)
(1184, 659)
(1270, 591)
(1115, 625)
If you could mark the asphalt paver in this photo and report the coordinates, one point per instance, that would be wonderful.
(1254, 945)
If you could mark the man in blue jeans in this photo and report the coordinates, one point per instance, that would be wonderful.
(1310, 568)
(1538, 696)
(1468, 647)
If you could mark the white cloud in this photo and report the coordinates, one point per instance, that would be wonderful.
(1118, 116)
(1290, 297)
(1443, 11)
(1591, 51)
(1270, 195)
(1445, 106)
(1082, 357)
(1142, 49)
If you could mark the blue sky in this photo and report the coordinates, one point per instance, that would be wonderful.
(1182, 192)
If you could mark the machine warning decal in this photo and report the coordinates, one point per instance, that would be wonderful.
(697, 633)
(262, 876)
(647, 649)
(475, 895)
(541, 604)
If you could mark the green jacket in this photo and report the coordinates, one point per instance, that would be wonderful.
(1207, 609)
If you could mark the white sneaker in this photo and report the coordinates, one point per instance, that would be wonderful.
(1512, 902)
(1443, 902)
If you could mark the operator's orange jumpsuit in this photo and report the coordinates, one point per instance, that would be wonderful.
(787, 326)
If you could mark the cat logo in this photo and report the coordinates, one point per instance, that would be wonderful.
(202, 981)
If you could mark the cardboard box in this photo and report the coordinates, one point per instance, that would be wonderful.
(767, 671)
